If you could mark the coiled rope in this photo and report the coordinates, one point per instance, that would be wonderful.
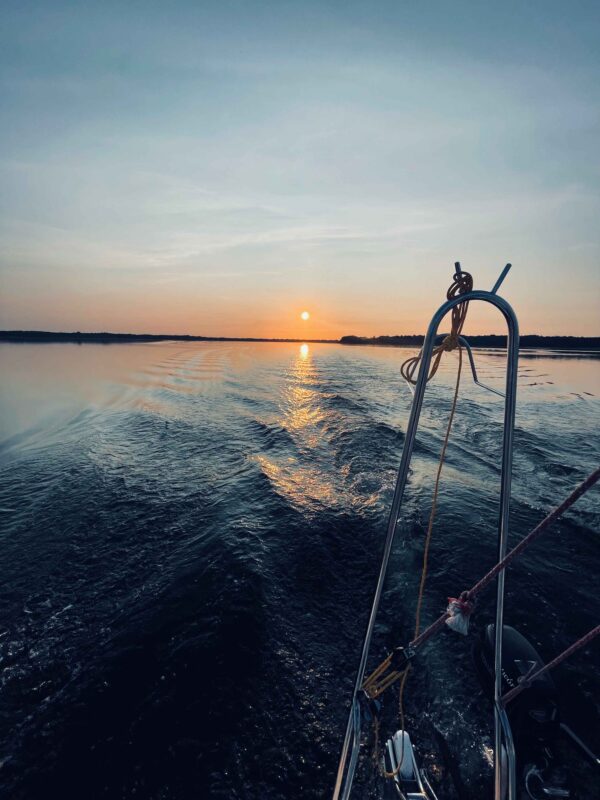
(462, 283)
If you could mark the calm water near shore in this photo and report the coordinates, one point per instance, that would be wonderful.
(191, 534)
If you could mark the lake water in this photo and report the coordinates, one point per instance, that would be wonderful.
(191, 535)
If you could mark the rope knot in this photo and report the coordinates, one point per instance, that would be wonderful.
(450, 342)
(462, 283)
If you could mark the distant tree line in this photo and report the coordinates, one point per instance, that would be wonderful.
(114, 338)
(487, 340)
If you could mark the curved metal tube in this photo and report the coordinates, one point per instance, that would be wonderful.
(476, 380)
(469, 350)
(343, 784)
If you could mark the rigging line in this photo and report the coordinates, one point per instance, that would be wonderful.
(534, 674)
(374, 688)
(435, 498)
(471, 593)
(467, 597)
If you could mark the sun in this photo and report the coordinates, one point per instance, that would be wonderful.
(305, 315)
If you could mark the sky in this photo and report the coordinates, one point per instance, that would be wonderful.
(217, 168)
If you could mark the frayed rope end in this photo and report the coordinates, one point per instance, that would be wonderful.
(460, 610)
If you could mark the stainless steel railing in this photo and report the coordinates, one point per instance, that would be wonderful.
(502, 731)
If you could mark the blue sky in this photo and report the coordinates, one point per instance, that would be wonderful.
(217, 167)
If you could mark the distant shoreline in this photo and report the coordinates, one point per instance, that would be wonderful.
(34, 337)
(533, 341)
(490, 341)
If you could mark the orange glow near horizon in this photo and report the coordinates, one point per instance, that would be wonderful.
(369, 308)
(232, 178)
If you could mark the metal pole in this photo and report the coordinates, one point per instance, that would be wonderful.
(411, 430)
(501, 277)
(512, 365)
(510, 754)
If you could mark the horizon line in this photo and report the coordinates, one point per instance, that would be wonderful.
(14, 333)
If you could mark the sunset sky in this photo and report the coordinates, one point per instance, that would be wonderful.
(217, 168)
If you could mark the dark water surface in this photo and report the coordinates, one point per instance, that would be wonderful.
(190, 539)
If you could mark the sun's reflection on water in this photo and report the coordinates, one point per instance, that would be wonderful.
(305, 471)
(302, 414)
(302, 410)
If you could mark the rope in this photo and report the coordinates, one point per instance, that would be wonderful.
(462, 283)
(406, 672)
(371, 685)
(394, 772)
(368, 686)
(583, 487)
(534, 674)
(435, 496)
(471, 593)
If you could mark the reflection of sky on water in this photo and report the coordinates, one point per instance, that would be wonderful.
(287, 385)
